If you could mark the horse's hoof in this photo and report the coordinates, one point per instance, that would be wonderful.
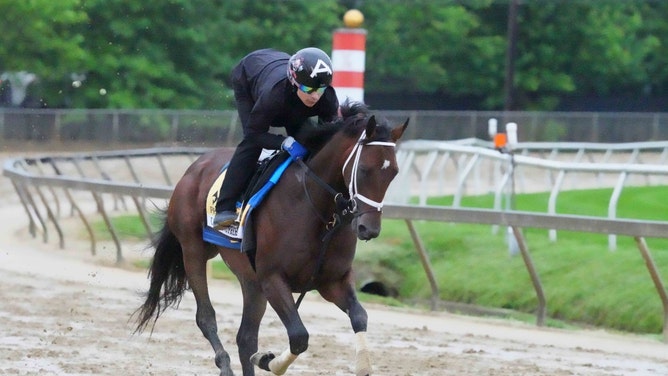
(262, 360)
(226, 372)
(223, 363)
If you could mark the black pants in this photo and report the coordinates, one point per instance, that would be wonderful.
(239, 172)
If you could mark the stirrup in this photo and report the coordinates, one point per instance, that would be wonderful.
(224, 219)
(231, 232)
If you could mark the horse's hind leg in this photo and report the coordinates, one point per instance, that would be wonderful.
(196, 254)
(343, 295)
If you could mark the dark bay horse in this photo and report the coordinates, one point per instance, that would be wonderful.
(306, 233)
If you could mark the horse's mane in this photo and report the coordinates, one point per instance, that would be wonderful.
(353, 114)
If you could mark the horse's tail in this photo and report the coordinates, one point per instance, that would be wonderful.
(168, 278)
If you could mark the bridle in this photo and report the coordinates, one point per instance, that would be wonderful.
(357, 152)
(346, 208)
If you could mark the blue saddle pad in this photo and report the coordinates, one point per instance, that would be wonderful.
(262, 187)
(214, 236)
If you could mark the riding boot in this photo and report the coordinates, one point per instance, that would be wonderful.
(239, 172)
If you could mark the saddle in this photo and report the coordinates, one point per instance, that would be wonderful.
(268, 172)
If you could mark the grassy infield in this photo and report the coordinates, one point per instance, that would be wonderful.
(584, 282)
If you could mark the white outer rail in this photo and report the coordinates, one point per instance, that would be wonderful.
(471, 160)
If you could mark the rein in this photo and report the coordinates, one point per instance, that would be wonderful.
(346, 208)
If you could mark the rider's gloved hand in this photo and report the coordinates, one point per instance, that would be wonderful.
(294, 148)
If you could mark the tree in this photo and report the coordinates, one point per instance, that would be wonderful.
(150, 54)
(583, 48)
(656, 60)
(179, 53)
(429, 47)
(44, 40)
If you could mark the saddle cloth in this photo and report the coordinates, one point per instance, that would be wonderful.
(269, 171)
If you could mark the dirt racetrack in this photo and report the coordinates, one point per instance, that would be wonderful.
(63, 312)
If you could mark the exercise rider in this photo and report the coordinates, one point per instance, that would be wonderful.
(268, 97)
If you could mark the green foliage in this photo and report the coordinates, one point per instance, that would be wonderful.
(44, 39)
(179, 53)
(431, 46)
(157, 55)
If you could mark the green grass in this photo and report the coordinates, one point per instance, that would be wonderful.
(218, 269)
(127, 227)
(584, 282)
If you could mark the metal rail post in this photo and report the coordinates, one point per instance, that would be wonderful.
(535, 279)
(656, 278)
(426, 264)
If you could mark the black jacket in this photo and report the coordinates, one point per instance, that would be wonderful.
(266, 98)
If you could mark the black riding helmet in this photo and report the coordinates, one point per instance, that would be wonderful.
(310, 67)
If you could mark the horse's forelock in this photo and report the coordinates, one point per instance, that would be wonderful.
(382, 132)
(356, 115)
(351, 108)
(357, 122)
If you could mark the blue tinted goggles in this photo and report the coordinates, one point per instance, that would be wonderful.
(311, 90)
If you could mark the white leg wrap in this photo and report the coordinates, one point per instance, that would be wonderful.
(280, 364)
(363, 362)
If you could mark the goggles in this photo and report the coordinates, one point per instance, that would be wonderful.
(311, 90)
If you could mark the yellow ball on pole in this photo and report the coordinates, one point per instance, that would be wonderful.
(353, 18)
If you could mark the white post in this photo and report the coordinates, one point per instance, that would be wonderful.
(19, 82)
(492, 128)
(511, 130)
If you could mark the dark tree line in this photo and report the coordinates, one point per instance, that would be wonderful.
(178, 53)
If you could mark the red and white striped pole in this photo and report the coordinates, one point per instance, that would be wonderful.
(348, 58)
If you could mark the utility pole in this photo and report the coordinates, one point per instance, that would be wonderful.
(511, 51)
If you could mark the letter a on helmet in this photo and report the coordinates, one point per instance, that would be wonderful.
(321, 67)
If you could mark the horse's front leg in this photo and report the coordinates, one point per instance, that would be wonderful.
(343, 295)
(254, 308)
(280, 298)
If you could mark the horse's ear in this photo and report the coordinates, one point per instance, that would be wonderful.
(399, 131)
(371, 127)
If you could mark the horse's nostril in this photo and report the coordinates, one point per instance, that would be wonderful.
(364, 233)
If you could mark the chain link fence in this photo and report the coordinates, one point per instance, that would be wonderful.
(222, 128)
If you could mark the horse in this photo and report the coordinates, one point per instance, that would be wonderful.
(306, 232)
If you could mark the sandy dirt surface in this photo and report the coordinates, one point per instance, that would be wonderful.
(64, 312)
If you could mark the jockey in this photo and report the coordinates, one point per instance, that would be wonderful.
(266, 97)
